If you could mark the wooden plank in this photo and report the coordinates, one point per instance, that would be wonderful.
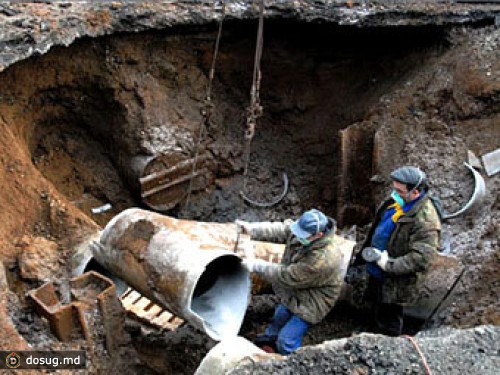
(152, 312)
(126, 293)
(174, 324)
(177, 321)
(142, 303)
(138, 307)
(148, 312)
(131, 298)
(163, 318)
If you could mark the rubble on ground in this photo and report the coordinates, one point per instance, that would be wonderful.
(446, 351)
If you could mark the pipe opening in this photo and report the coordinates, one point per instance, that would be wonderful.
(221, 295)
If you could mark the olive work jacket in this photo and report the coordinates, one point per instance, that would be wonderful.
(309, 279)
(412, 246)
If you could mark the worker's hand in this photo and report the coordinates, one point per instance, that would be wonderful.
(382, 261)
(255, 265)
(371, 254)
(244, 226)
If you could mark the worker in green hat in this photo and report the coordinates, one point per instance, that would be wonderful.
(403, 239)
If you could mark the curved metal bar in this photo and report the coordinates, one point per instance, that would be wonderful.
(476, 197)
(270, 204)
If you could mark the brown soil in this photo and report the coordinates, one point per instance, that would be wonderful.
(72, 122)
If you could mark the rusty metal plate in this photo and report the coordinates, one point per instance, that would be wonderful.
(165, 179)
(491, 162)
(66, 320)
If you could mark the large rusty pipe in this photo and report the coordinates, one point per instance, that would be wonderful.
(185, 266)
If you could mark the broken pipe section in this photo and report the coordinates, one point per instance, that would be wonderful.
(181, 265)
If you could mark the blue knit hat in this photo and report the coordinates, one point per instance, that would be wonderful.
(310, 223)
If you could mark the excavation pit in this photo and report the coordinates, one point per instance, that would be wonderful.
(104, 129)
(84, 126)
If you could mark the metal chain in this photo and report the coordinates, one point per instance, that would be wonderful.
(207, 109)
(255, 110)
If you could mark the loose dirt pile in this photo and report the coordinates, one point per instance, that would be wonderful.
(447, 351)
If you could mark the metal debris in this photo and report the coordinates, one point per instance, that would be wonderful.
(491, 162)
(476, 197)
(473, 160)
(101, 209)
(71, 321)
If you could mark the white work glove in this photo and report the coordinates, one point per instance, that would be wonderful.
(382, 261)
(256, 265)
(244, 226)
(372, 254)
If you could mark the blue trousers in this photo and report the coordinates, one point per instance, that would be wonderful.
(286, 329)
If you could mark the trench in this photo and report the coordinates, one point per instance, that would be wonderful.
(92, 114)
(101, 106)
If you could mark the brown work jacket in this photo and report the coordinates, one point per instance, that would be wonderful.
(412, 246)
(309, 279)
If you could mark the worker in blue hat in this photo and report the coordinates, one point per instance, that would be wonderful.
(307, 281)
